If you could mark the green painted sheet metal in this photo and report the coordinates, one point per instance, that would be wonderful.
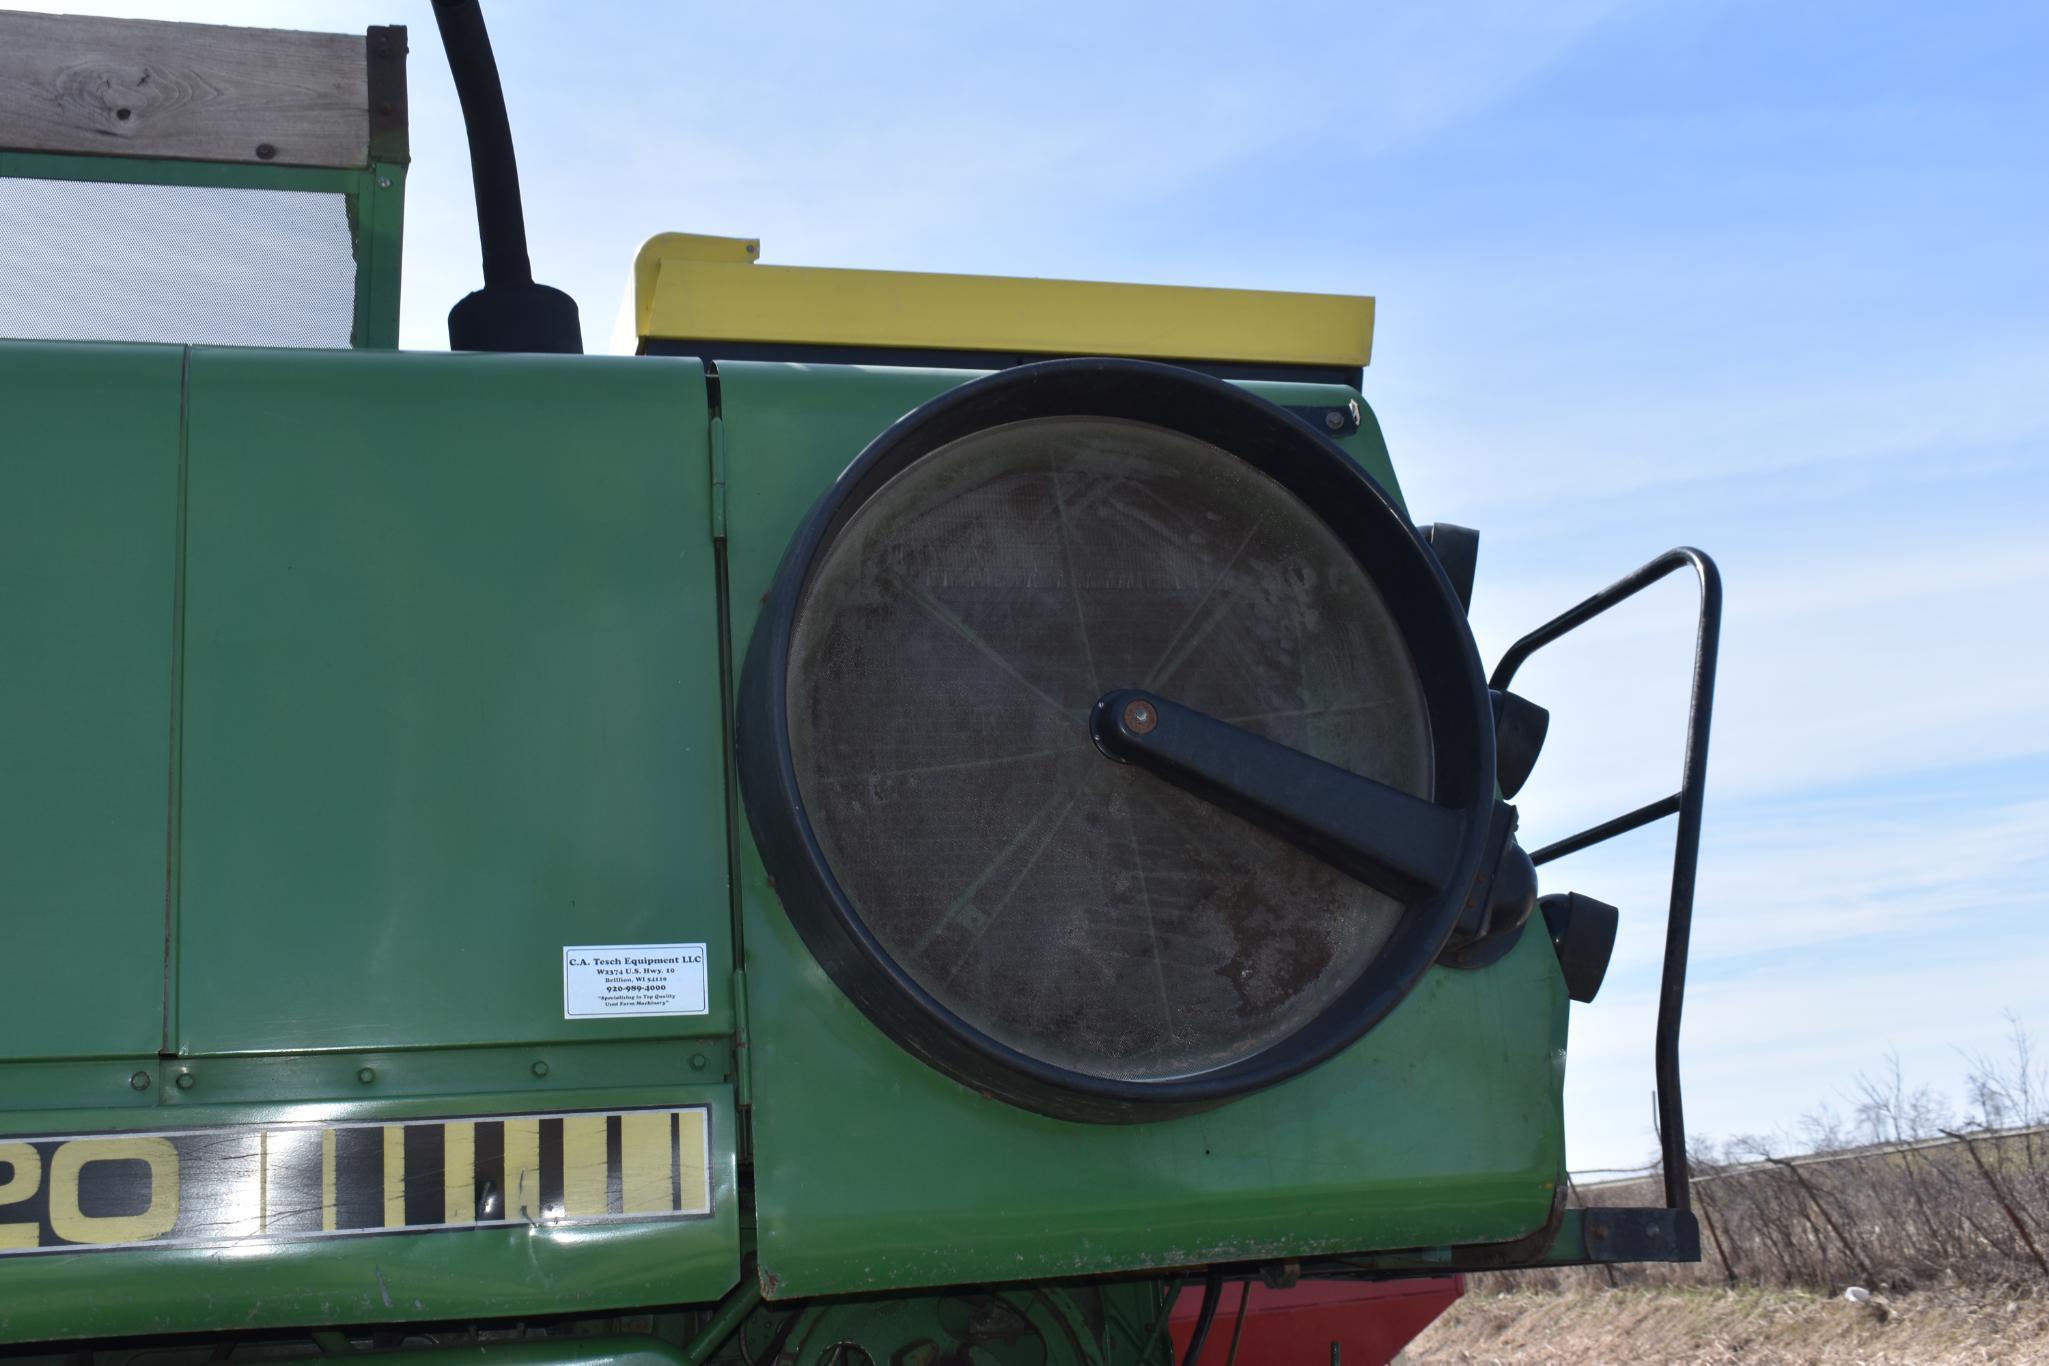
(378, 206)
(788, 431)
(451, 697)
(541, 1072)
(228, 175)
(624, 1350)
(379, 1278)
(447, 648)
(1443, 1125)
(411, 663)
(88, 535)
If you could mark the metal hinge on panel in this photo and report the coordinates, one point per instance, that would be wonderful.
(743, 1083)
(718, 479)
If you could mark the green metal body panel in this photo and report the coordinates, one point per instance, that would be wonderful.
(354, 687)
(874, 1172)
(88, 547)
(448, 701)
(625, 1350)
(598, 1342)
(379, 200)
(609, 1351)
(404, 668)
(595, 1351)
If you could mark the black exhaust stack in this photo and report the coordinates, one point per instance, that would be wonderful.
(511, 312)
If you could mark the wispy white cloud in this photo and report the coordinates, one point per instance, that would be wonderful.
(1851, 873)
(1532, 407)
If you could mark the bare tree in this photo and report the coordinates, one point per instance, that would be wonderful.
(1897, 1191)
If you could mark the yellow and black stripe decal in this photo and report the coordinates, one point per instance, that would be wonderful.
(244, 1183)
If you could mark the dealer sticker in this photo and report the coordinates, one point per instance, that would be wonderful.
(600, 981)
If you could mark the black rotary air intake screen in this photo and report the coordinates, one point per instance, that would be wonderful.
(949, 709)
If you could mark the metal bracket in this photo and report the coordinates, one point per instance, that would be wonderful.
(718, 478)
(1332, 419)
(1639, 1235)
(1571, 1237)
(1685, 803)
(1457, 549)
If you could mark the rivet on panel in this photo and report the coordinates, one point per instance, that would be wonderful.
(140, 1081)
(540, 1069)
(697, 1062)
(184, 1081)
(366, 1075)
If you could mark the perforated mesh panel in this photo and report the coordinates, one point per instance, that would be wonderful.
(943, 666)
(175, 263)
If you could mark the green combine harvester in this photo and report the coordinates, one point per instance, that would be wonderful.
(911, 819)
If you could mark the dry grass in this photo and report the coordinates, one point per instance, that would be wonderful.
(1971, 1210)
(1756, 1327)
(1903, 1198)
(1947, 1221)
(1894, 1219)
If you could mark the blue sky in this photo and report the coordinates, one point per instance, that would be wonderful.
(1766, 278)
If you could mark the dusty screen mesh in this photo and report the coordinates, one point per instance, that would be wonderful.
(87, 260)
(943, 666)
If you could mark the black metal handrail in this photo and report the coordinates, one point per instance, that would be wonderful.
(1685, 803)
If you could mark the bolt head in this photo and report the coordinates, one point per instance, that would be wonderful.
(366, 1075)
(1140, 716)
(1334, 419)
(697, 1062)
(540, 1069)
(185, 1082)
(140, 1081)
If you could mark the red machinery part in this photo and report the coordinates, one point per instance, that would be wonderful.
(1315, 1323)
